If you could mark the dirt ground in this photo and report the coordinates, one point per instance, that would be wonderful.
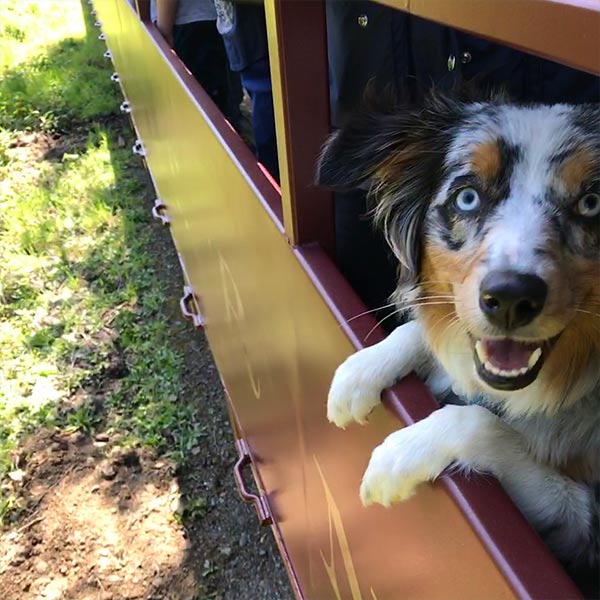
(103, 522)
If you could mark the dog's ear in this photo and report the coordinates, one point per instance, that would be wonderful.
(399, 155)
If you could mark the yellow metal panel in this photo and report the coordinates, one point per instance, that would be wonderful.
(288, 201)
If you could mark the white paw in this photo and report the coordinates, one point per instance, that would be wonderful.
(358, 382)
(406, 459)
(355, 390)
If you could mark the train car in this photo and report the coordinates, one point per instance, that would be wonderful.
(262, 281)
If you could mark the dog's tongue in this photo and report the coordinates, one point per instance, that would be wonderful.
(509, 354)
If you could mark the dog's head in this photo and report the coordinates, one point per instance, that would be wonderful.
(493, 211)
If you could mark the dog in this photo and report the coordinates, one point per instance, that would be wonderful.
(492, 210)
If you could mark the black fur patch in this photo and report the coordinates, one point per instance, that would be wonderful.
(491, 192)
(509, 156)
(399, 153)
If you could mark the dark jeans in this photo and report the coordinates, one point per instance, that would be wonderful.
(256, 78)
(200, 47)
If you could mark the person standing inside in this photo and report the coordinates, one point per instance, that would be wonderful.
(244, 31)
(189, 27)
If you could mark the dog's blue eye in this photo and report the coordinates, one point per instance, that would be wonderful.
(588, 205)
(467, 199)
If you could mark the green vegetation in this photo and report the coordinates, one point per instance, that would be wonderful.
(83, 340)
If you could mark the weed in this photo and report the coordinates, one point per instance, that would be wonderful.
(85, 418)
(194, 510)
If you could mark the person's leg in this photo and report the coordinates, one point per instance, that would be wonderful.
(200, 47)
(235, 96)
(257, 80)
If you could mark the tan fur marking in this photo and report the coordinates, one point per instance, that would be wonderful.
(397, 160)
(485, 160)
(440, 270)
(575, 347)
(575, 170)
(578, 468)
(578, 344)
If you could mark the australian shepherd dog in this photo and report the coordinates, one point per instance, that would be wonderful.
(493, 212)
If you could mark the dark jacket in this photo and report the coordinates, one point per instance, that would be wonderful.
(367, 41)
(246, 39)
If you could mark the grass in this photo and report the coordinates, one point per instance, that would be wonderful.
(52, 70)
(83, 340)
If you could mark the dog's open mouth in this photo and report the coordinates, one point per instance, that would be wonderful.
(508, 364)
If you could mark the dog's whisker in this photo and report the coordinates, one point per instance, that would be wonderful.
(440, 321)
(379, 323)
(455, 321)
(429, 297)
(366, 312)
(444, 281)
(587, 312)
(422, 281)
(426, 301)
(403, 307)
(421, 304)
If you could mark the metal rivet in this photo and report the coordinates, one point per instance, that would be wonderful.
(451, 62)
(363, 20)
(465, 58)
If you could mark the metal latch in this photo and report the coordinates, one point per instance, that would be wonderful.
(159, 212)
(260, 503)
(189, 307)
(138, 148)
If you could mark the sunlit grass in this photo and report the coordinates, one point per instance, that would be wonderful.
(84, 342)
(29, 27)
(50, 70)
(47, 237)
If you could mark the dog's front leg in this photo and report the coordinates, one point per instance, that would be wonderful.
(357, 384)
(474, 439)
(420, 452)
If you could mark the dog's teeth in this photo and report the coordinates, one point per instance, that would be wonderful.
(491, 368)
(504, 373)
(535, 356)
(481, 353)
(512, 373)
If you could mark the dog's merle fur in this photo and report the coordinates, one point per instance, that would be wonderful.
(536, 171)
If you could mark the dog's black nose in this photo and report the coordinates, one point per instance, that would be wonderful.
(510, 300)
